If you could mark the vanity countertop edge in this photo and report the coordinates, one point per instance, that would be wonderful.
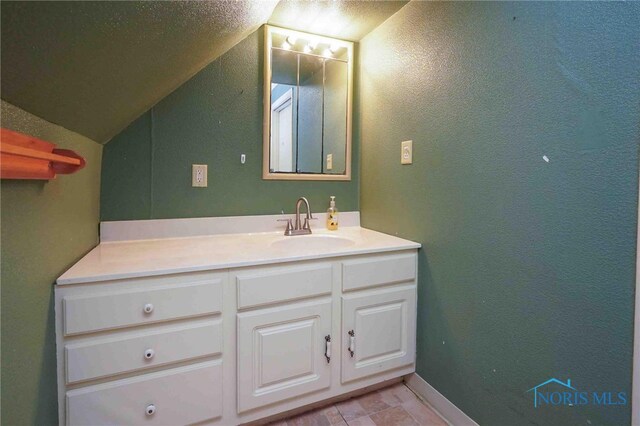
(164, 256)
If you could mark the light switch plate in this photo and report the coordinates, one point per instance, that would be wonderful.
(199, 175)
(406, 153)
(329, 161)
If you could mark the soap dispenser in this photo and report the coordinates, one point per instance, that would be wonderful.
(332, 215)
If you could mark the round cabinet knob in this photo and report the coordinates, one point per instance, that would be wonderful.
(148, 308)
(149, 353)
(151, 410)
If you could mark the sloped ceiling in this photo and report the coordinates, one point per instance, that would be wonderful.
(94, 67)
(348, 20)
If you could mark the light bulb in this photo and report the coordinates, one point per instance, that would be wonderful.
(286, 45)
(292, 40)
(307, 48)
(334, 47)
(327, 53)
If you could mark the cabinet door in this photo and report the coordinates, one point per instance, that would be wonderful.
(281, 353)
(378, 331)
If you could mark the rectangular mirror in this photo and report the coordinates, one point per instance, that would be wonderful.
(307, 106)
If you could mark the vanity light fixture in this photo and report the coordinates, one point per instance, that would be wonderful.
(310, 46)
(289, 42)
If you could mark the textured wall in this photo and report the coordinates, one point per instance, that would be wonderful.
(211, 119)
(46, 227)
(527, 270)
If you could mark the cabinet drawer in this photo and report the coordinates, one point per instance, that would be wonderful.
(180, 396)
(283, 283)
(378, 270)
(87, 313)
(136, 351)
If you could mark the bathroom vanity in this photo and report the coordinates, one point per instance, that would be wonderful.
(231, 328)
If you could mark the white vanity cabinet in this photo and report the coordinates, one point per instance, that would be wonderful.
(141, 351)
(284, 327)
(378, 314)
(236, 345)
(381, 331)
(281, 353)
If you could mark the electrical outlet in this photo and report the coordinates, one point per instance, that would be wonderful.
(329, 161)
(406, 154)
(199, 175)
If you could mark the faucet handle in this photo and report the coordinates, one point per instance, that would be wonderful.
(289, 224)
(306, 222)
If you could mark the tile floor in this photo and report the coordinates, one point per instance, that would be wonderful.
(395, 405)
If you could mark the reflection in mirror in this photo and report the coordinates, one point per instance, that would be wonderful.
(308, 114)
(284, 99)
(335, 124)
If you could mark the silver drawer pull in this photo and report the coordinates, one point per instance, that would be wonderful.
(148, 308)
(149, 353)
(151, 410)
(327, 348)
(352, 343)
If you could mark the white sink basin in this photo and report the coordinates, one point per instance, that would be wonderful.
(312, 242)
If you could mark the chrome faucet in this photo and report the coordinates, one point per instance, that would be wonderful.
(297, 229)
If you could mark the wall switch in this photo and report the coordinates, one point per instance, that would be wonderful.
(329, 161)
(199, 175)
(406, 155)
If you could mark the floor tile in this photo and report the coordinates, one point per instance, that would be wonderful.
(395, 405)
(389, 397)
(372, 403)
(423, 414)
(402, 392)
(394, 416)
(311, 418)
(350, 410)
(333, 415)
(362, 421)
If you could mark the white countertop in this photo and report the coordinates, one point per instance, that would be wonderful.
(128, 259)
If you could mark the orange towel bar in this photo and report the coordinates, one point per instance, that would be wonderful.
(26, 157)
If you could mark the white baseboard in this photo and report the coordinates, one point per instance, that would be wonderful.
(445, 408)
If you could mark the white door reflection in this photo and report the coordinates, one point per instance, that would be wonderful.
(282, 150)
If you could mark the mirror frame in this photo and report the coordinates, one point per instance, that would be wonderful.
(266, 118)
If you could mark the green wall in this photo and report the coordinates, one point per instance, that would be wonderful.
(527, 270)
(211, 119)
(46, 227)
